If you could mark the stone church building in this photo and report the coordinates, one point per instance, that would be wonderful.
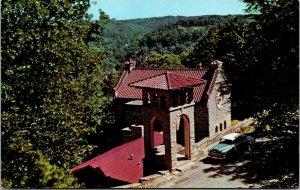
(184, 105)
(163, 114)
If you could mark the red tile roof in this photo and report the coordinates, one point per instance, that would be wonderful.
(168, 81)
(116, 164)
(123, 90)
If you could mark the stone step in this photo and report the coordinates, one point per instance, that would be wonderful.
(180, 156)
(186, 165)
(150, 177)
(164, 172)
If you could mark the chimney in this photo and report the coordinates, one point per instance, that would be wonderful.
(129, 64)
(216, 64)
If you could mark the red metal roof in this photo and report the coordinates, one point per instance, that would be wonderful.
(116, 164)
(123, 90)
(168, 81)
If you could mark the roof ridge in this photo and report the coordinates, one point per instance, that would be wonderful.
(168, 82)
(167, 78)
(145, 79)
(143, 68)
(183, 75)
(120, 80)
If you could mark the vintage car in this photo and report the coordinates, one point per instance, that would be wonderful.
(230, 144)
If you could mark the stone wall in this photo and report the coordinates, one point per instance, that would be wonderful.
(134, 115)
(202, 145)
(201, 121)
(119, 108)
(187, 112)
(170, 119)
(133, 132)
(219, 114)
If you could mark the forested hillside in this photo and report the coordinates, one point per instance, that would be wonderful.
(171, 34)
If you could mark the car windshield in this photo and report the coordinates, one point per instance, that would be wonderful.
(225, 141)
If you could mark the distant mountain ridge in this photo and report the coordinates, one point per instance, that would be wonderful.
(123, 38)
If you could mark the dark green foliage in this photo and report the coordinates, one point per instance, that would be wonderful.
(157, 60)
(35, 171)
(260, 57)
(122, 37)
(204, 52)
(171, 34)
(52, 86)
(184, 33)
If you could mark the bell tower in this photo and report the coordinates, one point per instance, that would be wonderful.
(168, 109)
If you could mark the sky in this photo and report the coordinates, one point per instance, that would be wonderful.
(131, 9)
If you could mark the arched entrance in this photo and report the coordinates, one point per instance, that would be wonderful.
(183, 137)
(156, 126)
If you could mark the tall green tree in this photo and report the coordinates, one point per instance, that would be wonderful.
(204, 51)
(52, 83)
(157, 60)
(277, 49)
(260, 55)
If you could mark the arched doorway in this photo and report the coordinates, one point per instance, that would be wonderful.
(156, 126)
(183, 136)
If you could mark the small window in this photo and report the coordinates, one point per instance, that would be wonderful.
(221, 127)
(216, 129)
(162, 101)
(225, 125)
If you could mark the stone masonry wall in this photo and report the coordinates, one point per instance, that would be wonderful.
(119, 111)
(218, 116)
(201, 122)
(175, 115)
(134, 115)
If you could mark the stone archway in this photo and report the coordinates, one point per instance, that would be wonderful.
(155, 125)
(183, 135)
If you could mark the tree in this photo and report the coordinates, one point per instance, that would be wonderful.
(277, 48)
(157, 60)
(204, 51)
(259, 54)
(37, 165)
(235, 48)
(52, 83)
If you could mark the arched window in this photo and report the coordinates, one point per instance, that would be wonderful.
(225, 125)
(187, 98)
(155, 100)
(221, 127)
(216, 129)
(148, 98)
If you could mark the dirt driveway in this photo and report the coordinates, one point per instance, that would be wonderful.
(211, 174)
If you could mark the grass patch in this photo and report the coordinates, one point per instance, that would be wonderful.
(247, 129)
(234, 122)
